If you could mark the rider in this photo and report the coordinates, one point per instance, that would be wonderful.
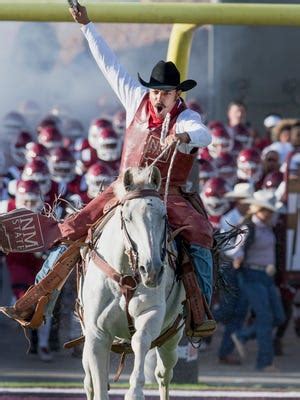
(147, 105)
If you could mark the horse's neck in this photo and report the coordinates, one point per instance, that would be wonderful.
(111, 244)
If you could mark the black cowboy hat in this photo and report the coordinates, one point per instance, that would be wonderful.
(165, 76)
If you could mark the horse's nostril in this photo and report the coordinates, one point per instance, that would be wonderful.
(142, 269)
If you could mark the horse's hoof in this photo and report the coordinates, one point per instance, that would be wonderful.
(133, 395)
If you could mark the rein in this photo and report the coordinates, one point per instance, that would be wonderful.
(132, 252)
(128, 283)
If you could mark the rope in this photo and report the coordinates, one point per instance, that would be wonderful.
(169, 173)
(165, 129)
(163, 135)
(161, 154)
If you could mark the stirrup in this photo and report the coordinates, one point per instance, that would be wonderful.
(28, 319)
(207, 328)
(10, 312)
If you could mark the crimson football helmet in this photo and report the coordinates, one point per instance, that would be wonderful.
(119, 122)
(242, 135)
(213, 198)
(108, 145)
(85, 155)
(98, 177)
(37, 170)
(225, 165)
(49, 120)
(249, 165)
(221, 141)
(95, 128)
(195, 105)
(215, 124)
(73, 129)
(18, 147)
(28, 195)
(62, 165)
(206, 171)
(13, 122)
(272, 180)
(50, 137)
(36, 150)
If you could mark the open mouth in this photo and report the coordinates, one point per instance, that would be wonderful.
(159, 108)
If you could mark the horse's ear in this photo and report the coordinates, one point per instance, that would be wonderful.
(127, 179)
(155, 177)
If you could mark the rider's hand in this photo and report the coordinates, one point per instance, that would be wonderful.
(182, 137)
(80, 15)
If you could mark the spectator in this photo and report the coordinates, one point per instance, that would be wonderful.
(255, 260)
(232, 304)
(282, 144)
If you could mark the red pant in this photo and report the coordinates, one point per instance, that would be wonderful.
(180, 213)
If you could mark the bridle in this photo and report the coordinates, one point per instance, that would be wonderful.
(128, 283)
(131, 250)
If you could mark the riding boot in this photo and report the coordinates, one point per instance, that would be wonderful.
(200, 322)
(29, 310)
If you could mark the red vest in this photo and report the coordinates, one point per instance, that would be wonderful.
(142, 146)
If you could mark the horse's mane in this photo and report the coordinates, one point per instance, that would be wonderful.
(139, 179)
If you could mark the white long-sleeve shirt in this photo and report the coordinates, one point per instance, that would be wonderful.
(130, 92)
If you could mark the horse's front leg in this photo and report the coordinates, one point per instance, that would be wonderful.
(166, 360)
(95, 360)
(148, 327)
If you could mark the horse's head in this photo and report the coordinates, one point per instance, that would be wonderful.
(143, 215)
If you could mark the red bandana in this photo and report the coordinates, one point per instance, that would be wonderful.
(154, 120)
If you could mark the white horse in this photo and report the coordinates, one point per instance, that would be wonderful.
(138, 227)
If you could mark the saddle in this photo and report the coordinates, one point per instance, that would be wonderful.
(30, 309)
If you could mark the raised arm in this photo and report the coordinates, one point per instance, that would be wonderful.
(128, 90)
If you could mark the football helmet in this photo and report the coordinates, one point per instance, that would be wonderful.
(249, 166)
(272, 181)
(95, 128)
(119, 122)
(225, 165)
(203, 154)
(28, 195)
(31, 110)
(221, 141)
(242, 135)
(85, 155)
(49, 120)
(18, 147)
(195, 105)
(50, 137)
(62, 164)
(36, 150)
(37, 170)
(98, 177)
(13, 122)
(213, 198)
(73, 129)
(108, 145)
(206, 171)
(215, 124)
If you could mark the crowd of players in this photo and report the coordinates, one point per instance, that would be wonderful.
(60, 167)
